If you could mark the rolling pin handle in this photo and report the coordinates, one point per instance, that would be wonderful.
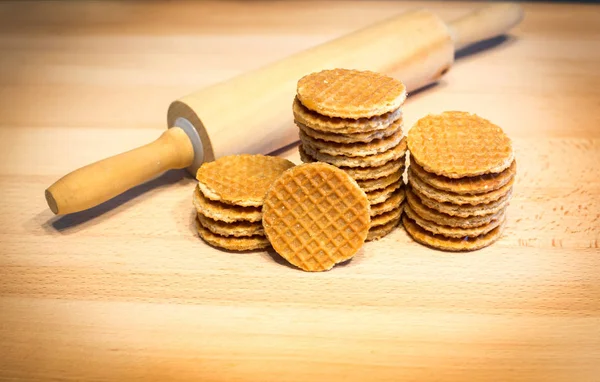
(98, 182)
(485, 23)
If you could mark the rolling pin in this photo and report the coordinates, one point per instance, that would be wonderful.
(252, 113)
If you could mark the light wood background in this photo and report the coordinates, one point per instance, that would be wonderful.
(127, 291)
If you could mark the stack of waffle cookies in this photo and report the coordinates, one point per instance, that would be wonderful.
(353, 120)
(229, 199)
(460, 180)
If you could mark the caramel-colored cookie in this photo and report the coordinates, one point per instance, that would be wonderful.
(448, 197)
(394, 201)
(380, 159)
(362, 173)
(369, 185)
(468, 185)
(354, 137)
(349, 93)
(386, 217)
(237, 229)
(242, 180)
(456, 144)
(316, 121)
(454, 232)
(381, 195)
(465, 210)
(315, 216)
(378, 232)
(360, 149)
(443, 219)
(225, 212)
(232, 243)
(425, 237)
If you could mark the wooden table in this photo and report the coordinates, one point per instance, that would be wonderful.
(127, 290)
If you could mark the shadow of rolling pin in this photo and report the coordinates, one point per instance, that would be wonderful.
(251, 113)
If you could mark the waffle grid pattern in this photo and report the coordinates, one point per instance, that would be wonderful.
(350, 93)
(316, 216)
(459, 144)
(240, 179)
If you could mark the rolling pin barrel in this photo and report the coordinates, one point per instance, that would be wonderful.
(251, 113)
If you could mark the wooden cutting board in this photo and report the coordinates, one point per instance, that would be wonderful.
(127, 291)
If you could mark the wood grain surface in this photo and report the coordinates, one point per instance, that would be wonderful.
(127, 291)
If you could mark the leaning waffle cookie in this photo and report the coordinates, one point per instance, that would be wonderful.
(360, 149)
(443, 219)
(225, 212)
(425, 237)
(380, 196)
(232, 243)
(458, 144)
(349, 93)
(387, 217)
(465, 210)
(237, 229)
(240, 179)
(368, 185)
(325, 124)
(351, 138)
(362, 173)
(394, 201)
(455, 232)
(378, 232)
(468, 185)
(394, 153)
(448, 197)
(316, 216)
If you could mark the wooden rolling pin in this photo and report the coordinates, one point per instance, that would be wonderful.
(252, 113)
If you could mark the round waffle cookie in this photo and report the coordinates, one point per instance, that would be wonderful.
(237, 229)
(349, 93)
(394, 153)
(378, 232)
(224, 212)
(457, 144)
(232, 243)
(316, 121)
(360, 149)
(242, 180)
(362, 173)
(468, 185)
(393, 202)
(368, 185)
(465, 210)
(316, 216)
(462, 199)
(425, 237)
(351, 138)
(454, 232)
(443, 219)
